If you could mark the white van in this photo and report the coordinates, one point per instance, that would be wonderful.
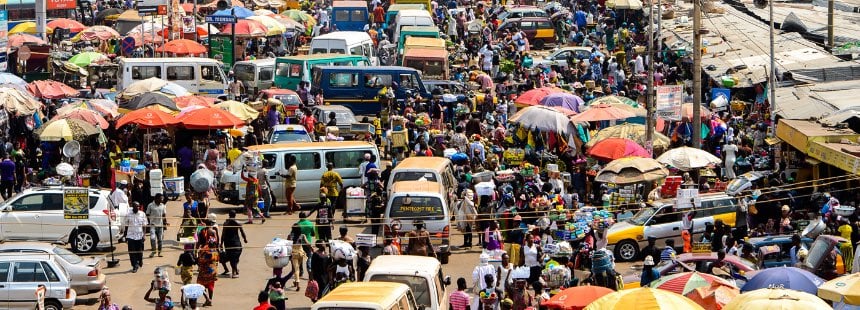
(422, 274)
(255, 75)
(202, 76)
(410, 18)
(368, 296)
(410, 201)
(346, 43)
(311, 161)
(433, 169)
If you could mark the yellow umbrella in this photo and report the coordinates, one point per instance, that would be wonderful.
(843, 289)
(26, 27)
(635, 132)
(643, 298)
(68, 129)
(275, 27)
(240, 110)
(776, 299)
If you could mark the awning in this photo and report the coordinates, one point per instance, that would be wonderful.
(837, 155)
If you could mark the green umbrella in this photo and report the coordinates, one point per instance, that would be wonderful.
(86, 58)
(610, 100)
(299, 16)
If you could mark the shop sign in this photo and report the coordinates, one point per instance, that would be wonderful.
(669, 100)
(701, 247)
(62, 4)
(841, 160)
(76, 204)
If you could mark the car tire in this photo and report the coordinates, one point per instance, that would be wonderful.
(627, 250)
(53, 305)
(538, 44)
(85, 240)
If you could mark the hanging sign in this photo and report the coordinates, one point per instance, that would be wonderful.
(669, 100)
(76, 204)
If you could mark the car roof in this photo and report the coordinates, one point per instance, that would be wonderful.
(415, 187)
(279, 91)
(332, 108)
(423, 162)
(311, 145)
(405, 264)
(425, 53)
(27, 245)
(348, 4)
(527, 19)
(379, 293)
(26, 256)
(524, 8)
(289, 127)
(758, 241)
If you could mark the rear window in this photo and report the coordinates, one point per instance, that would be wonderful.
(281, 136)
(408, 208)
(414, 176)
(418, 285)
(244, 72)
(67, 255)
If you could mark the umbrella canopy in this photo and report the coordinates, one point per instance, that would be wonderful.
(687, 111)
(143, 86)
(744, 181)
(189, 101)
(300, 16)
(844, 289)
(776, 299)
(66, 128)
(685, 282)
(290, 23)
(247, 28)
(612, 99)
(25, 27)
(11, 79)
(147, 27)
(50, 89)
(629, 170)
(643, 298)
(542, 118)
(792, 278)
(146, 38)
(567, 112)
(635, 132)
(19, 39)
(615, 148)
(147, 118)
(713, 297)
(86, 115)
(624, 4)
(534, 96)
(18, 102)
(564, 100)
(273, 25)
(602, 113)
(148, 99)
(264, 12)
(182, 47)
(65, 23)
(105, 107)
(688, 158)
(86, 58)
(238, 109)
(104, 14)
(576, 298)
(174, 89)
(210, 118)
(96, 33)
(238, 11)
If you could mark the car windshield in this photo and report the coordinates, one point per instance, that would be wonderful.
(342, 117)
(244, 72)
(418, 285)
(289, 99)
(643, 215)
(67, 255)
(406, 208)
(281, 136)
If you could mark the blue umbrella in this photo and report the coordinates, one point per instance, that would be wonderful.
(237, 11)
(9, 78)
(784, 277)
(565, 100)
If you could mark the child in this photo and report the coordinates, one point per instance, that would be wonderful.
(186, 263)
(277, 296)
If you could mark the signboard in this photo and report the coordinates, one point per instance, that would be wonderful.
(688, 198)
(128, 45)
(368, 240)
(4, 39)
(76, 204)
(701, 247)
(221, 19)
(151, 3)
(147, 10)
(669, 100)
(221, 48)
(188, 24)
(61, 4)
(719, 105)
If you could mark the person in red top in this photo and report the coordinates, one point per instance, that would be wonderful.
(460, 300)
(379, 15)
(310, 121)
(263, 299)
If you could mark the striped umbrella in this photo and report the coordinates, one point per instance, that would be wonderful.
(685, 282)
(643, 298)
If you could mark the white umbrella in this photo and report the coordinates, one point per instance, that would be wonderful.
(542, 118)
(688, 158)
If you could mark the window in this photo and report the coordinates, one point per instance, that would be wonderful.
(337, 51)
(4, 272)
(266, 74)
(145, 72)
(345, 159)
(407, 81)
(52, 202)
(306, 161)
(377, 80)
(183, 73)
(527, 25)
(269, 160)
(544, 25)
(417, 285)
(29, 203)
(210, 72)
(295, 70)
(666, 215)
(66, 255)
(283, 69)
(426, 208)
(29, 272)
(52, 276)
(356, 50)
(319, 51)
(414, 176)
(343, 79)
(358, 15)
(93, 201)
(341, 16)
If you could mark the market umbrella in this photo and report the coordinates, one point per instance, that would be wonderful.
(624, 4)
(602, 113)
(247, 28)
(564, 100)
(238, 109)
(300, 16)
(182, 47)
(273, 25)
(86, 115)
(687, 111)
(744, 181)
(643, 298)
(175, 90)
(147, 118)
(534, 96)
(845, 289)
(202, 31)
(629, 170)
(567, 112)
(688, 158)
(11, 79)
(776, 299)
(147, 27)
(103, 14)
(238, 11)
(19, 39)
(25, 27)
(615, 148)
(65, 23)
(105, 107)
(210, 118)
(141, 87)
(187, 110)
(542, 118)
(148, 99)
(685, 282)
(635, 132)
(86, 58)
(97, 33)
(187, 101)
(146, 38)
(264, 12)
(635, 108)
(50, 89)
(290, 23)
(612, 99)
(713, 297)
(66, 128)
(576, 298)
(784, 277)
(18, 102)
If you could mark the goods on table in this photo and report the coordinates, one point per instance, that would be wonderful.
(278, 252)
(582, 222)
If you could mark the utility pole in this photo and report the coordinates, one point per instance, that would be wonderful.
(771, 98)
(650, 101)
(830, 9)
(697, 74)
(42, 19)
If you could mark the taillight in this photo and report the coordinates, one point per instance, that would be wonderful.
(109, 212)
(68, 293)
(445, 232)
(93, 273)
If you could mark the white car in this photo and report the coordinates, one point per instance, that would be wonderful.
(20, 276)
(289, 134)
(84, 273)
(567, 56)
(37, 214)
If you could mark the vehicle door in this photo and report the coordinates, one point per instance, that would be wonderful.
(266, 77)
(544, 30)
(4, 284)
(309, 168)
(272, 162)
(54, 225)
(183, 75)
(22, 219)
(212, 81)
(665, 223)
(346, 164)
(530, 29)
(342, 86)
(562, 59)
(26, 277)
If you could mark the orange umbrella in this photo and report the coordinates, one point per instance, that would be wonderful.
(86, 115)
(533, 96)
(65, 23)
(614, 148)
(602, 113)
(182, 47)
(687, 111)
(202, 32)
(188, 7)
(576, 298)
(50, 89)
(210, 118)
(713, 297)
(147, 118)
(246, 28)
(19, 39)
(188, 101)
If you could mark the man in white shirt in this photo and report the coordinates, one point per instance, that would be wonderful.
(133, 232)
(192, 292)
(118, 195)
(362, 168)
(156, 215)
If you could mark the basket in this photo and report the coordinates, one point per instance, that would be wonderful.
(278, 252)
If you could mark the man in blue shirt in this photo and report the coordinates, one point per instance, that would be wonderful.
(669, 251)
(7, 177)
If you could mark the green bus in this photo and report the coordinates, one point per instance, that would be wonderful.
(291, 70)
(394, 8)
(415, 31)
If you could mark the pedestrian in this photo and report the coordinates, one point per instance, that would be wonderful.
(668, 253)
(265, 187)
(467, 214)
(252, 195)
(186, 263)
(207, 267)
(105, 302)
(419, 241)
(301, 246)
(7, 177)
(333, 183)
(325, 218)
(40, 297)
(263, 301)
(532, 255)
(289, 175)
(133, 234)
(344, 236)
(277, 296)
(231, 244)
(480, 274)
(191, 293)
(156, 213)
(364, 260)
(459, 299)
(649, 274)
(320, 262)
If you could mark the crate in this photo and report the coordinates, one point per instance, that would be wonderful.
(168, 166)
(355, 205)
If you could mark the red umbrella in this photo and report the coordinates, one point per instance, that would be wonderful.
(210, 118)
(19, 39)
(147, 38)
(602, 113)
(188, 101)
(188, 7)
(182, 47)
(247, 28)
(533, 96)
(202, 32)
(576, 298)
(86, 115)
(614, 148)
(147, 118)
(50, 89)
(65, 23)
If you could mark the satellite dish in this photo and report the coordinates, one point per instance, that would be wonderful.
(72, 148)
(66, 170)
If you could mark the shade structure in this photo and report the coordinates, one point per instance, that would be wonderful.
(643, 298)
(213, 4)
(153, 84)
(264, 12)
(97, 33)
(845, 289)
(18, 102)
(688, 158)
(105, 107)
(567, 112)
(86, 58)
(12, 80)
(685, 282)
(210, 118)
(612, 99)
(615, 148)
(148, 99)
(202, 31)
(247, 28)
(300, 16)
(50, 89)
(86, 115)
(534, 96)
(174, 90)
(635, 132)
(792, 278)
(542, 118)
(687, 111)
(65, 23)
(624, 4)
(564, 100)
(238, 109)
(629, 170)
(147, 27)
(188, 101)
(182, 47)
(273, 26)
(66, 129)
(19, 39)
(290, 23)
(238, 11)
(776, 299)
(602, 113)
(147, 118)
(145, 38)
(576, 298)
(713, 297)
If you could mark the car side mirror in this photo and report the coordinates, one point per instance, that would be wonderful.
(447, 280)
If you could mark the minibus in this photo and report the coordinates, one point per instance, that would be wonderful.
(198, 75)
(346, 43)
(291, 70)
(349, 15)
(358, 88)
(255, 75)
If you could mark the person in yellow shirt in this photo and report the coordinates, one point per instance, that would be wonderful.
(332, 181)
(234, 153)
(845, 230)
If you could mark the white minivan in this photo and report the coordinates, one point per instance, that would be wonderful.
(255, 75)
(203, 76)
(346, 43)
(411, 201)
(410, 18)
(422, 274)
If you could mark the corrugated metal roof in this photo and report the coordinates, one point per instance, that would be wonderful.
(815, 100)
